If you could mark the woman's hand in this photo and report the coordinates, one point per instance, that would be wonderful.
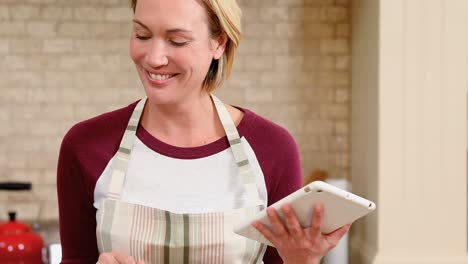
(297, 245)
(117, 257)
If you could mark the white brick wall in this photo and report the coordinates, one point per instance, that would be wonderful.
(67, 60)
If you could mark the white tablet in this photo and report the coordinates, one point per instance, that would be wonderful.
(340, 208)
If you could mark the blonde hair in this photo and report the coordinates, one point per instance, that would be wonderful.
(224, 16)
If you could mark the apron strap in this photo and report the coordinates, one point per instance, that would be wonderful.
(120, 161)
(245, 169)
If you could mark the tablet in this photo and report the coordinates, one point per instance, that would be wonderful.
(340, 208)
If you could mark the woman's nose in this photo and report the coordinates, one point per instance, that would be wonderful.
(157, 55)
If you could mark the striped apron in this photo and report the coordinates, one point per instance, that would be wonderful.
(158, 236)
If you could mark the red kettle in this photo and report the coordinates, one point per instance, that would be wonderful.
(18, 244)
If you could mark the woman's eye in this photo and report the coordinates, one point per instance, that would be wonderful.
(141, 37)
(178, 43)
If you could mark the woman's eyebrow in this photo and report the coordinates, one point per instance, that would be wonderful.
(140, 23)
(173, 30)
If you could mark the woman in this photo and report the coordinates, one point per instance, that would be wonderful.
(164, 179)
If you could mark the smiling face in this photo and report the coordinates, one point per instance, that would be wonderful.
(172, 48)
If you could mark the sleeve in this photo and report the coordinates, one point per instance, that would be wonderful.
(288, 180)
(76, 211)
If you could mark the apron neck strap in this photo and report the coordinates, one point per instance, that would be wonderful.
(120, 161)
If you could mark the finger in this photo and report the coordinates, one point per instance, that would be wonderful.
(292, 223)
(316, 225)
(276, 224)
(265, 231)
(107, 258)
(334, 237)
(123, 257)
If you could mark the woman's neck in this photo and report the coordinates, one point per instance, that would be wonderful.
(188, 123)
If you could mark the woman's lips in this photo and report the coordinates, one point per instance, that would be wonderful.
(160, 79)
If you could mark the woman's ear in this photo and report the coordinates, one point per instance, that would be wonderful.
(220, 45)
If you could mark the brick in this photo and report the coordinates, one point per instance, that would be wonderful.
(58, 111)
(342, 78)
(42, 62)
(345, 3)
(291, 30)
(310, 47)
(52, 144)
(4, 13)
(260, 63)
(43, 2)
(274, 79)
(304, 14)
(72, 96)
(112, 2)
(23, 46)
(105, 30)
(27, 144)
(74, 62)
(101, 46)
(287, 95)
(58, 45)
(293, 126)
(274, 47)
(16, 161)
(12, 28)
(10, 94)
(89, 80)
(21, 79)
(256, 95)
(250, 46)
(249, 14)
(13, 62)
(319, 95)
(334, 112)
(319, 30)
(24, 12)
(89, 13)
(318, 2)
(5, 115)
(289, 63)
(334, 46)
(41, 29)
(318, 127)
(273, 14)
(46, 192)
(59, 79)
(49, 176)
(341, 128)
(342, 95)
(107, 63)
(125, 29)
(4, 46)
(257, 30)
(343, 30)
(343, 63)
(326, 79)
(41, 96)
(118, 14)
(121, 80)
(49, 212)
(334, 14)
(327, 63)
(56, 13)
(73, 29)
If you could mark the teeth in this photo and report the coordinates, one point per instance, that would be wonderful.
(160, 77)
